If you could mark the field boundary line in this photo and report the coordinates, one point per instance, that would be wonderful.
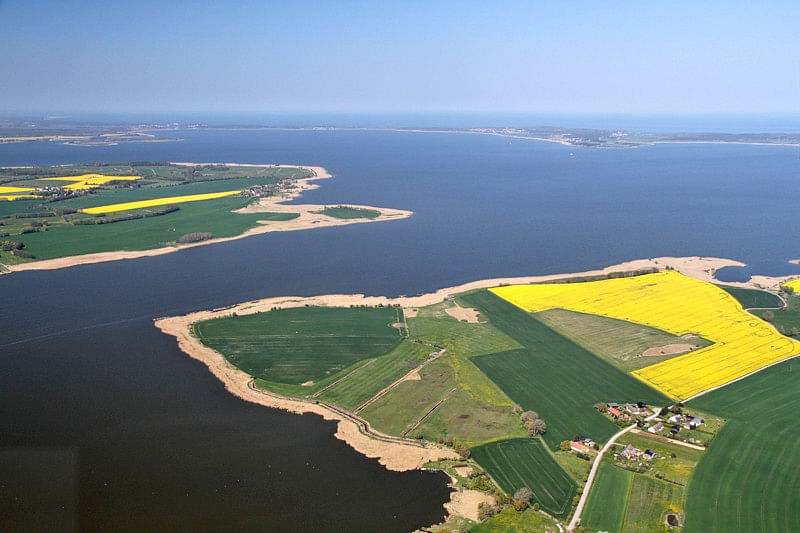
(410, 373)
(421, 419)
(326, 387)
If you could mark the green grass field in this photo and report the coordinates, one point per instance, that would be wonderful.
(213, 216)
(293, 346)
(749, 479)
(64, 238)
(356, 389)
(349, 212)
(786, 320)
(605, 509)
(649, 502)
(553, 375)
(471, 421)
(752, 297)
(410, 400)
(619, 342)
(511, 521)
(622, 501)
(517, 463)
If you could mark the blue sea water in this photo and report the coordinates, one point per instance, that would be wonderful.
(150, 437)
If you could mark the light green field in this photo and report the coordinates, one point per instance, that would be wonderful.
(359, 387)
(649, 502)
(349, 212)
(749, 478)
(553, 375)
(294, 346)
(511, 521)
(410, 400)
(517, 463)
(619, 342)
(605, 508)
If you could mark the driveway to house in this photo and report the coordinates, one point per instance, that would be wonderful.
(576, 518)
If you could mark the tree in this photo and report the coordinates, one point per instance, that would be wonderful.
(528, 416)
(537, 427)
(600, 406)
(461, 449)
(769, 316)
(564, 446)
(522, 498)
(486, 510)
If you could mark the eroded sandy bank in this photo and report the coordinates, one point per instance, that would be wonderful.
(307, 219)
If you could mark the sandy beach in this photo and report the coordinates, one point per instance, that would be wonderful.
(307, 219)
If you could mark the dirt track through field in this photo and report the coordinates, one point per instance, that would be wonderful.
(411, 375)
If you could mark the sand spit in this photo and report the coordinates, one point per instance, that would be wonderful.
(307, 220)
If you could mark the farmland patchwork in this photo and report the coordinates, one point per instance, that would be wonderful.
(679, 305)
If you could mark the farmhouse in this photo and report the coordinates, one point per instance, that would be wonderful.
(675, 430)
(656, 428)
(676, 419)
(578, 447)
(630, 452)
(632, 409)
(648, 455)
(695, 421)
(614, 412)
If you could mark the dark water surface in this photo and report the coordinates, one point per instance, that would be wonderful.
(107, 424)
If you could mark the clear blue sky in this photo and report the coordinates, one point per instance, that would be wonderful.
(546, 56)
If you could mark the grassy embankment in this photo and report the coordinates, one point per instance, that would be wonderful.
(65, 237)
(343, 211)
(786, 320)
(749, 479)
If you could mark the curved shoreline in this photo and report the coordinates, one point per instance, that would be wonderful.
(395, 453)
(307, 219)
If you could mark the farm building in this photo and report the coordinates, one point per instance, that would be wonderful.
(630, 452)
(614, 412)
(656, 428)
(578, 447)
(648, 455)
(695, 421)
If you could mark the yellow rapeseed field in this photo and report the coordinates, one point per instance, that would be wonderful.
(111, 208)
(794, 285)
(11, 190)
(90, 181)
(12, 197)
(679, 305)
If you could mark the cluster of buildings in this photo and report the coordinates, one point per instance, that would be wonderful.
(628, 410)
(262, 191)
(676, 423)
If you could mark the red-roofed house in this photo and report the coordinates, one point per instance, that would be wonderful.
(614, 412)
(578, 447)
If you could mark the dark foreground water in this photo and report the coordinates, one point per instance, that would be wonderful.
(105, 424)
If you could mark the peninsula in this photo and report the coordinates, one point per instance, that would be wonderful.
(55, 217)
(511, 386)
